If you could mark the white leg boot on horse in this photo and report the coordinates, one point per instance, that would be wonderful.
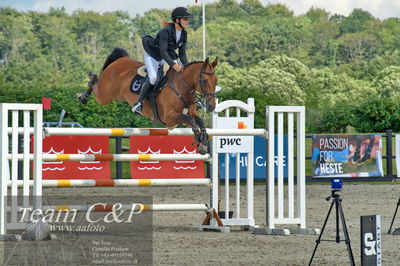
(137, 107)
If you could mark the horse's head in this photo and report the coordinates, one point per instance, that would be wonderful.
(207, 80)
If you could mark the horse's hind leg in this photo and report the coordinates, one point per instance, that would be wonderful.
(84, 97)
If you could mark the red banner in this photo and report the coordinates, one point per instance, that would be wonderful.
(46, 102)
(76, 169)
(164, 169)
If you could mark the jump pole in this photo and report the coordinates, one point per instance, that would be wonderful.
(119, 182)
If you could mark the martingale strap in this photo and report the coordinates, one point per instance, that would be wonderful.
(202, 82)
(186, 104)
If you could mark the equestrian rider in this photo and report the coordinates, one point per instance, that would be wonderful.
(161, 50)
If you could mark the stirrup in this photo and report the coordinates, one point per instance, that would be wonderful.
(137, 108)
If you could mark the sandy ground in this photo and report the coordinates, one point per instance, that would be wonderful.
(177, 240)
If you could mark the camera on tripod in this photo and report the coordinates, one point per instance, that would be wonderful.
(337, 184)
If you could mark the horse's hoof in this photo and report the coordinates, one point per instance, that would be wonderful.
(82, 98)
(202, 149)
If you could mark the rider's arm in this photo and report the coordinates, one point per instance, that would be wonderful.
(182, 53)
(164, 48)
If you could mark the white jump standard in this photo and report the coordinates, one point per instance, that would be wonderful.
(296, 205)
(9, 179)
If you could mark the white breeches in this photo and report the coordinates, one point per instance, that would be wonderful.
(152, 67)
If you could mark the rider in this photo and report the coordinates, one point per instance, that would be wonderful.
(161, 50)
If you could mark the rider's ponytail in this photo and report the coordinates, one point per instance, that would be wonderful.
(165, 23)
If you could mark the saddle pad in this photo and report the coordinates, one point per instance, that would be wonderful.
(138, 80)
(136, 84)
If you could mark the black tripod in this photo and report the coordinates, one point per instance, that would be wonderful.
(337, 201)
(394, 216)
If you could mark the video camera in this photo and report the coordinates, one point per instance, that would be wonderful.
(336, 183)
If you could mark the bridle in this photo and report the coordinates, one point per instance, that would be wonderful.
(192, 89)
(203, 83)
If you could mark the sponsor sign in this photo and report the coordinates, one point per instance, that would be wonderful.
(347, 155)
(76, 169)
(165, 169)
(371, 253)
(260, 162)
(232, 144)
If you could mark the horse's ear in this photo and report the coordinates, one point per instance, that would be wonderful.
(205, 62)
(215, 63)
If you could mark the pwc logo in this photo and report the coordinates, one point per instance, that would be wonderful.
(232, 141)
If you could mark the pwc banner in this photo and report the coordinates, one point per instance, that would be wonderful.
(347, 155)
(76, 169)
(260, 163)
(164, 169)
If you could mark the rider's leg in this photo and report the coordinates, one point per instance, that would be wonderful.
(151, 67)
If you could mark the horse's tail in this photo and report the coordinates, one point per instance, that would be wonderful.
(115, 54)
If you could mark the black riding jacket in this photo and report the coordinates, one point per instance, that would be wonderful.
(164, 45)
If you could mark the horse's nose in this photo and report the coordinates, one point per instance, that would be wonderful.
(210, 106)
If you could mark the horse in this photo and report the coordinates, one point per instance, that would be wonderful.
(175, 102)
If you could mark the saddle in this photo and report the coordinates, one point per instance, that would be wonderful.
(140, 78)
(138, 81)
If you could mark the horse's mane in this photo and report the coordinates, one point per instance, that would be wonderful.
(194, 62)
(115, 54)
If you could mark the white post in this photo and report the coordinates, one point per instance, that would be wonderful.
(38, 162)
(250, 169)
(215, 168)
(271, 171)
(204, 31)
(4, 171)
(301, 166)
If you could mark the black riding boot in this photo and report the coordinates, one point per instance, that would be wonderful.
(137, 107)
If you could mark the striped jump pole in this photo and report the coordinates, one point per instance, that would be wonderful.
(116, 157)
(50, 131)
(134, 207)
(120, 182)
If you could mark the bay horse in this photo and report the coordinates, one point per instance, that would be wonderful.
(176, 100)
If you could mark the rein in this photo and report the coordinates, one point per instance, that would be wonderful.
(192, 90)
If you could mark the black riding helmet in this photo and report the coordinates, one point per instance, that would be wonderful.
(180, 12)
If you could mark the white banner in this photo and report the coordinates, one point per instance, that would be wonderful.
(234, 144)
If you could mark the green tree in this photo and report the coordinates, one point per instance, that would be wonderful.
(252, 7)
(388, 82)
(377, 115)
(357, 21)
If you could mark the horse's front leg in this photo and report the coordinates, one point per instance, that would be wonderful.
(198, 136)
(203, 134)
